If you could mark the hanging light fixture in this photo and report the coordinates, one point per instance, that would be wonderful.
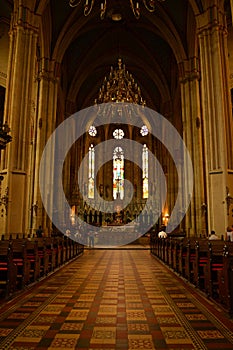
(120, 86)
(150, 5)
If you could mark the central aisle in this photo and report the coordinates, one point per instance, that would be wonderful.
(113, 299)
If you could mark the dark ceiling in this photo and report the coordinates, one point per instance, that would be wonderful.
(99, 43)
(94, 45)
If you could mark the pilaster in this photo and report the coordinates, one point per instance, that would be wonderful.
(192, 128)
(18, 113)
(217, 119)
(46, 123)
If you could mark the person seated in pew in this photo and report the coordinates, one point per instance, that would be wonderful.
(229, 234)
(213, 235)
(39, 232)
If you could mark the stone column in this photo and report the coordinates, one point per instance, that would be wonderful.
(217, 118)
(18, 112)
(46, 123)
(192, 128)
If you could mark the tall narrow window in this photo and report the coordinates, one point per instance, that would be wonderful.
(145, 172)
(118, 173)
(91, 175)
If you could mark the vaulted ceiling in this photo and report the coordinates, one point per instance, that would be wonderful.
(95, 45)
(151, 47)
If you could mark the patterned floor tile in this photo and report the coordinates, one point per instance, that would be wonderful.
(114, 300)
(64, 341)
(78, 315)
(142, 342)
(135, 315)
(103, 335)
(107, 310)
(210, 334)
(106, 320)
(175, 335)
(72, 326)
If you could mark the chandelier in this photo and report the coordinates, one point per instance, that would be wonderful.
(150, 5)
(119, 87)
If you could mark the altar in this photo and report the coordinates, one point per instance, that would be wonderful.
(117, 235)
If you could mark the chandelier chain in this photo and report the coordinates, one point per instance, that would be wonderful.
(88, 5)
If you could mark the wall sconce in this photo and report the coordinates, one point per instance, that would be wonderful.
(229, 200)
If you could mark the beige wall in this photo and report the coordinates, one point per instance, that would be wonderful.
(4, 51)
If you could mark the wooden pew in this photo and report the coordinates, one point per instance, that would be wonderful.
(51, 253)
(80, 248)
(166, 248)
(214, 268)
(190, 260)
(43, 257)
(226, 278)
(170, 252)
(153, 243)
(201, 275)
(19, 255)
(71, 244)
(57, 246)
(8, 270)
(160, 243)
(176, 254)
(182, 257)
(66, 249)
(33, 258)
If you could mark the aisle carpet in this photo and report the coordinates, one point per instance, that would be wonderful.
(113, 299)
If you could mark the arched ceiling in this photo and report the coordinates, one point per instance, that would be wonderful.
(94, 45)
(151, 47)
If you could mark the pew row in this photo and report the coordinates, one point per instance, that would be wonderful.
(207, 264)
(24, 261)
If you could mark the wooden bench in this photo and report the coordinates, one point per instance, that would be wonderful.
(43, 257)
(176, 254)
(226, 278)
(214, 268)
(57, 246)
(33, 258)
(19, 256)
(8, 270)
(182, 256)
(166, 249)
(201, 265)
(66, 249)
(190, 260)
(51, 253)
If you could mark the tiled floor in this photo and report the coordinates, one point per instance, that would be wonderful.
(113, 299)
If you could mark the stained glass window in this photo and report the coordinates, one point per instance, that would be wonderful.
(118, 173)
(91, 175)
(145, 191)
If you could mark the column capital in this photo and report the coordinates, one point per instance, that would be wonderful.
(213, 18)
(189, 70)
(49, 70)
(23, 17)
